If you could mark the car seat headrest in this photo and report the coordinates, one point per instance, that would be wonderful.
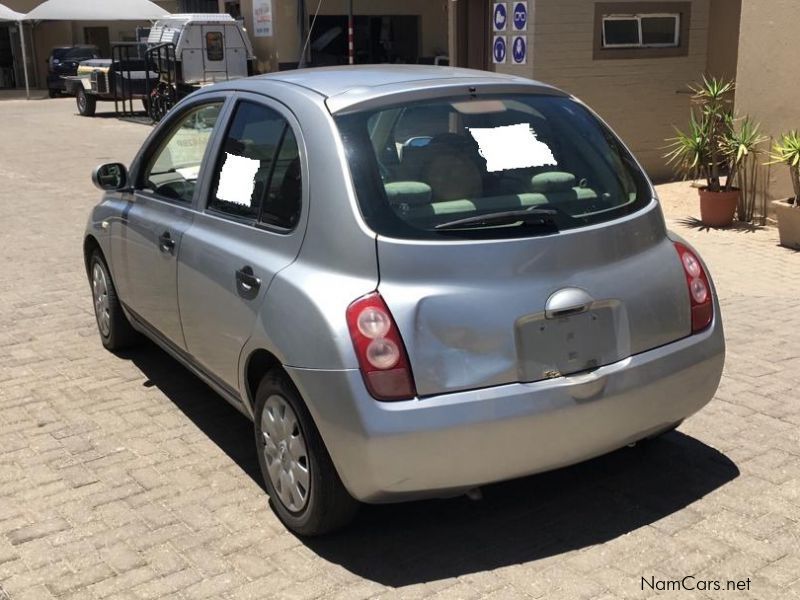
(554, 181)
(412, 193)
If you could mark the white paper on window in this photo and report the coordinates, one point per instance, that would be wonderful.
(511, 147)
(237, 179)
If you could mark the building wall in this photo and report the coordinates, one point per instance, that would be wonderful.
(767, 83)
(723, 38)
(640, 98)
(285, 44)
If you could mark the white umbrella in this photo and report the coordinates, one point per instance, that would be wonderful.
(6, 14)
(80, 10)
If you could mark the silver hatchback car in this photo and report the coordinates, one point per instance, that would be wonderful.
(414, 280)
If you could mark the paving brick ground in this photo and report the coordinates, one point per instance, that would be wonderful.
(124, 477)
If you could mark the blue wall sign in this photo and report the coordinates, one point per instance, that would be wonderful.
(519, 50)
(500, 16)
(520, 16)
(499, 50)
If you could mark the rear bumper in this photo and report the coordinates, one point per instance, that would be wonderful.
(438, 446)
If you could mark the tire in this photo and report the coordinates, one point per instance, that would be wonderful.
(87, 103)
(115, 330)
(289, 445)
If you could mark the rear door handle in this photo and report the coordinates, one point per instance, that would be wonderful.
(566, 302)
(165, 243)
(247, 284)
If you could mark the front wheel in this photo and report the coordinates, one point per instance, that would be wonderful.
(87, 103)
(304, 488)
(115, 330)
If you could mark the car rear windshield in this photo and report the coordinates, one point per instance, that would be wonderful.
(80, 54)
(496, 166)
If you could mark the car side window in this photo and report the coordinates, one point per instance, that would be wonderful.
(173, 169)
(258, 176)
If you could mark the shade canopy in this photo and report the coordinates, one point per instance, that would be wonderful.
(81, 10)
(6, 14)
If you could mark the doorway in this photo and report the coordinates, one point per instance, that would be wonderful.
(98, 36)
(376, 39)
(473, 28)
(7, 77)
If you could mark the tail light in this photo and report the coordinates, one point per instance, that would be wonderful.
(698, 286)
(380, 349)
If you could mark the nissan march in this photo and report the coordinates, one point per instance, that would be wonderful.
(414, 280)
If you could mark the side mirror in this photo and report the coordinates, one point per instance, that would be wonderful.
(110, 177)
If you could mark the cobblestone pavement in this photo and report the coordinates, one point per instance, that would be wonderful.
(124, 477)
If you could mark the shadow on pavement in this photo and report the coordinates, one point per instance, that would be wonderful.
(737, 226)
(516, 522)
(223, 424)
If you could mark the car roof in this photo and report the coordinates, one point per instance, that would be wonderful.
(331, 81)
(346, 86)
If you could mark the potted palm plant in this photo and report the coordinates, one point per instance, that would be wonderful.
(703, 151)
(787, 151)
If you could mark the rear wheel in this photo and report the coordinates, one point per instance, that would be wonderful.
(87, 103)
(115, 331)
(304, 488)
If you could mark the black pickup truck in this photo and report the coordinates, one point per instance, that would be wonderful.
(63, 62)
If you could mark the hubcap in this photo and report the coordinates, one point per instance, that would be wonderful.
(100, 292)
(82, 101)
(285, 453)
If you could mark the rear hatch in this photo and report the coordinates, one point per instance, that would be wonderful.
(517, 239)
(474, 315)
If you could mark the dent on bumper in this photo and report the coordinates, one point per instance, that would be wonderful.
(389, 451)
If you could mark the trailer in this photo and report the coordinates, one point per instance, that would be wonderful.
(182, 53)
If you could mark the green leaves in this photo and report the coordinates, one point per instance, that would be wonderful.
(743, 140)
(713, 95)
(787, 149)
(688, 150)
(715, 143)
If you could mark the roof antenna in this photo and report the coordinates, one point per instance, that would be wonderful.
(302, 62)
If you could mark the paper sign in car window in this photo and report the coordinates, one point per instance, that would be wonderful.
(237, 179)
(511, 147)
(189, 173)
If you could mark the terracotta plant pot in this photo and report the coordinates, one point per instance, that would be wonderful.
(717, 208)
(788, 223)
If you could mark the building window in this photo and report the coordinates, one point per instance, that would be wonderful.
(641, 29)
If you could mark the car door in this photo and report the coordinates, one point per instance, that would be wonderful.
(250, 227)
(146, 239)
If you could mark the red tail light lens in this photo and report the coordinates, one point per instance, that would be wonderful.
(381, 354)
(699, 288)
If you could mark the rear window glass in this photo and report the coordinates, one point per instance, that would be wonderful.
(214, 46)
(80, 54)
(466, 167)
